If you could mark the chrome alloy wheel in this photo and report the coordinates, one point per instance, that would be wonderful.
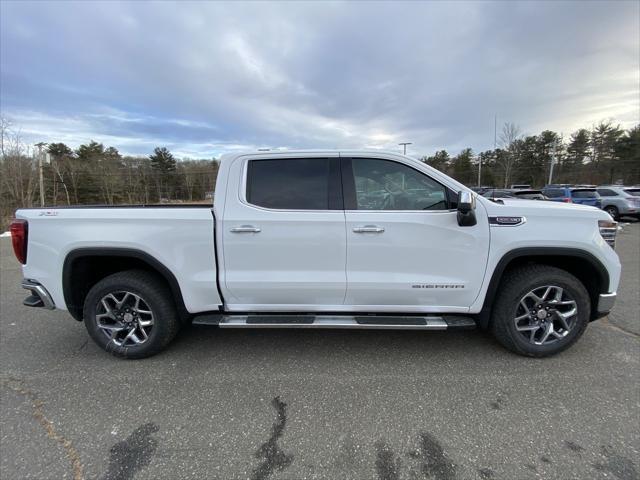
(545, 315)
(125, 318)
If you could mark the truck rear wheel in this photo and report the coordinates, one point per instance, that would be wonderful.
(131, 314)
(540, 310)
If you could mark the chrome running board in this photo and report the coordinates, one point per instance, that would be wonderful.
(379, 322)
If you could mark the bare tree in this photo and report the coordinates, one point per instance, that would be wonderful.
(5, 128)
(509, 140)
(17, 170)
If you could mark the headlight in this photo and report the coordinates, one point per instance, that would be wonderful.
(608, 231)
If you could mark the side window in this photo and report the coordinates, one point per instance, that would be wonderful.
(387, 185)
(290, 184)
(605, 192)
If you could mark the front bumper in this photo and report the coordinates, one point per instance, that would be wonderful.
(606, 301)
(39, 296)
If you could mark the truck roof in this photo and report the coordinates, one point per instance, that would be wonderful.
(328, 151)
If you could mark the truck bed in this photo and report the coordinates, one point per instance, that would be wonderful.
(178, 236)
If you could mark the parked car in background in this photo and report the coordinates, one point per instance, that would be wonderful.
(493, 193)
(528, 194)
(572, 194)
(481, 190)
(520, 187)
(620, 201)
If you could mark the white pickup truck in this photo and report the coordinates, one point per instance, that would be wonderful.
(324, 239)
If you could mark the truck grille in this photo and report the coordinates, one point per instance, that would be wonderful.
(608, 231)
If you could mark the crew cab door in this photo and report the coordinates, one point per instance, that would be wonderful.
(405, 249)
(283, 234)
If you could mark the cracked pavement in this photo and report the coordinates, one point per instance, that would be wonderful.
(224, 404)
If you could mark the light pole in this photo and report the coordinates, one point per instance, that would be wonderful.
(404, 146)
(554, 151)
(40, 174)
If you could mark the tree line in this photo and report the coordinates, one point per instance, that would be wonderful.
(605, 153)
(97, 174)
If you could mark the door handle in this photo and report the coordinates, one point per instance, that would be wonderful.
(245, 229)
(368, 229)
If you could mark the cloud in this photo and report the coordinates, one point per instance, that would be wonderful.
(204, 78)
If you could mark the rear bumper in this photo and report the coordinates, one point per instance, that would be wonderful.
(606, 301)
(39, 297)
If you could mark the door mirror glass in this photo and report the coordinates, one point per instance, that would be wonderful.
(466, 209)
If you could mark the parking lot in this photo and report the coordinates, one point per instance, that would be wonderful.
(225, 404)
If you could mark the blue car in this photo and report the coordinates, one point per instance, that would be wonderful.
(573, 194)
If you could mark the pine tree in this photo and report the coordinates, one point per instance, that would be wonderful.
(162, 160)
(439, 161)
(462, 167)
(164, 165)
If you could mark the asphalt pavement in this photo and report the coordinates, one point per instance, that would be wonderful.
(381, 405)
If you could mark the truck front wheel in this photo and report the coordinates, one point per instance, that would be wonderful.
(131, 314)
(540, 310)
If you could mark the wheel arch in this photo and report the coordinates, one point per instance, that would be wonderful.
(84, 267)
(580, 263)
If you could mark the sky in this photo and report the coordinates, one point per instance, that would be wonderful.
(205, 78)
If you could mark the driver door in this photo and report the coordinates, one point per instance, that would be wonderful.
(405, 249)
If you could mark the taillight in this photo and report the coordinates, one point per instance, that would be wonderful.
(567, 200)
(19, 236)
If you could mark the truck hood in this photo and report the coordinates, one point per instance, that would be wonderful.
(518, 207)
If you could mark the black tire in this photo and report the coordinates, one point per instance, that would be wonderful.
(155, 294)
(514, 286)
(613, 211)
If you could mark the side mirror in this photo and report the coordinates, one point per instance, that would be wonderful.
(466, 209)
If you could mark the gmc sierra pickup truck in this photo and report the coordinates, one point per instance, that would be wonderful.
(324, 239)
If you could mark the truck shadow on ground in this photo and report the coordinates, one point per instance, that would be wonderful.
(204, 341)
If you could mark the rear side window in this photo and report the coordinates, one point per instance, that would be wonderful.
(290, 184)
(605, 192)
(584, 194)
(633, 191)
(554, 192)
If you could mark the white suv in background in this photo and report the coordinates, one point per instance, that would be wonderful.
(619, 201)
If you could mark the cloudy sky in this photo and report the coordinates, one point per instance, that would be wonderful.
(205, 78)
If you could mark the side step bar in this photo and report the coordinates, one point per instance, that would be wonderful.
(386, 322)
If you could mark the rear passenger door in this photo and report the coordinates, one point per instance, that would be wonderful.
(284, 240)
